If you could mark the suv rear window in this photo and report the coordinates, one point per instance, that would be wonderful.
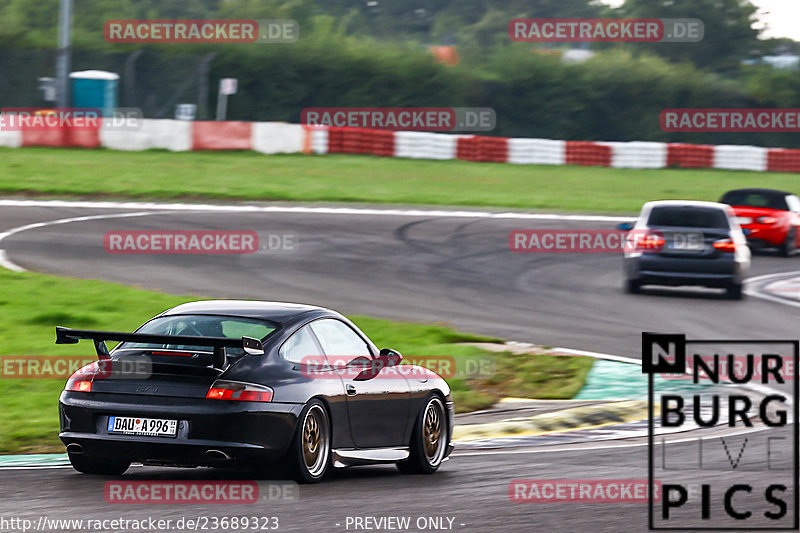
(688, 217)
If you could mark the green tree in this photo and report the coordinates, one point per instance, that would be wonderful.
(729, 34)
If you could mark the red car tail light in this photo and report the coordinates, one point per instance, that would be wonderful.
(766, 220)
(236, 391)
(81, 380)
(649, 242)
(725, 245)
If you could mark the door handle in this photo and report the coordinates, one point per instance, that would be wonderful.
(351, 390)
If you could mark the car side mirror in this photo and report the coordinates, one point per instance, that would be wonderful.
(252, 346)
(625, 226)
(390, 357)
(386, 358)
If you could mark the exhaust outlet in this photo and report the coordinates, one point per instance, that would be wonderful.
(75, 449)
(218, 455)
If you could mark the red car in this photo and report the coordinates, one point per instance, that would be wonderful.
(769, 218)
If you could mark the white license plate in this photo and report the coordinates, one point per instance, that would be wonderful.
(743, 221)
(147, 427)
(686, 242)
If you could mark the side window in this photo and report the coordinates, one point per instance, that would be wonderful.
(338, 339)
(300, 347)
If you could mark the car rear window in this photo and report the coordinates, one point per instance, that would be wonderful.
(688, 217)
(756, 199)
(202, 326)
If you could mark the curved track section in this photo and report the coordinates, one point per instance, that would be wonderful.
(419, 266)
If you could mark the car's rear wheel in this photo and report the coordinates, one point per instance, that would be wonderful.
(633, 286)
(98, 466)
(428, 439)
(310, 451)
(734, 291)
(790, 244)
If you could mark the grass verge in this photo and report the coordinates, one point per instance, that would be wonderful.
(357, 178)
(32, 304)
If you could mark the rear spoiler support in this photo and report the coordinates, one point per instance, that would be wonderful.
(73, 336)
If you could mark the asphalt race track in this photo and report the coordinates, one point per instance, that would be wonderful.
(422, 268)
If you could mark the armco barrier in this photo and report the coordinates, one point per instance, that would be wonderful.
(208, 135)
(781, 160)
(690, 156)
(10, 139)
(425, 145)
(281, 137)
(590, 154)
(317, 140)
(278, 138)
(638, 154)
(62, 137)
(740, 157)
(536, 152)
(484, 149)
(361, 141)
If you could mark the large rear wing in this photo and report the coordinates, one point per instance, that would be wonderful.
(73, 336)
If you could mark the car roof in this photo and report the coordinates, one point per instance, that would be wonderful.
(279, 312)
(756, 190)
(686, 203)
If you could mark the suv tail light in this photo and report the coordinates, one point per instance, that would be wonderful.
(766, 220)
(725, 245)
(237, 391)
(81, 380)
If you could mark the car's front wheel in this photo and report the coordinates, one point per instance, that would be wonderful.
(98, 466)
(428, 440)
(310, 451)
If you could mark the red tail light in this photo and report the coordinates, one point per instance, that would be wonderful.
(766, 220)
(725, 245)
(81, 380)
(236, 391)
(649, 242)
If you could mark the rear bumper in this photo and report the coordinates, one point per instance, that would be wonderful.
(683, 278)
(708, 272)
(247, 432)
(758, 243)
(765, 236)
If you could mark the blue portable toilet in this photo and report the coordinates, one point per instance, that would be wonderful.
(96, 89)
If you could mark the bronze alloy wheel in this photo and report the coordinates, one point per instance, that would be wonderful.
(316, 442)
(434, 431)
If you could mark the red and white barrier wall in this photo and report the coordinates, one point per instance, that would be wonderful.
(280, 137)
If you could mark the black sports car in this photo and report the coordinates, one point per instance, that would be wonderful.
(245, 383)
